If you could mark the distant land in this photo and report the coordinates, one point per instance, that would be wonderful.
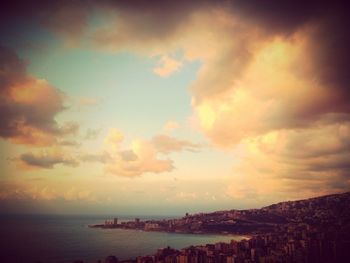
(325, 211)
(315, 230)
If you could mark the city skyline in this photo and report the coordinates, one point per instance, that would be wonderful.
(162, 108)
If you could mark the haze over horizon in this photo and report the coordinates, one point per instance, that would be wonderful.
(167, 107)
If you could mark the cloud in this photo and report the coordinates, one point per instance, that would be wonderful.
(64, 18)
(326, 17)
(103, 157)
(128, 155)
(46, 160)
(142, 27)
(170, 126)
(294, 163)
(86, 102)
(166, 144)
(28, 192)
(273, 84)
(141, 158)
(274, 92)
(28, 106)
(70, 143)
(247, 59)
(74, 194)
(167, 66)
(92, 134)
(228, 46)
(68, 19)
(114, 138)
(130, 24)
(35, 193)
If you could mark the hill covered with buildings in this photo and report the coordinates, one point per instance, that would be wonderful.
(315, 230)
(325, 211)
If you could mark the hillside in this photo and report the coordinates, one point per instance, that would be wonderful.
(325, 211)
(331, 213)
(319, 210)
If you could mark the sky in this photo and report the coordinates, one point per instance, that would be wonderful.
(167, 107)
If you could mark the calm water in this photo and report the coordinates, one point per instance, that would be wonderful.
(67, 238)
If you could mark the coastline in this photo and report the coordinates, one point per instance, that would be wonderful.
(246, 236)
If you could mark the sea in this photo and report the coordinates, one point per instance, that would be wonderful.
(58, 238)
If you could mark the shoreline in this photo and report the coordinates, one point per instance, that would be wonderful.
(246, 236)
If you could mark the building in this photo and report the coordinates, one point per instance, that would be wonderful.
(151, 226)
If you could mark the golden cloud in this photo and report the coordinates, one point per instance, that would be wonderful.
(144, 160)
(170, 126)
(167, 66)
(295, 163)
(273, 81)
(166, 144)
(142, 157)
(28, 106)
